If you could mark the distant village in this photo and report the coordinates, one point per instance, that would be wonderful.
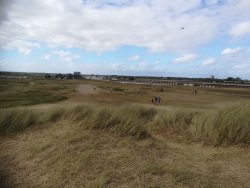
(78, 75)
(212, 81)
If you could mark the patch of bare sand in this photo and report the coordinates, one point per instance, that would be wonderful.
(87, 89)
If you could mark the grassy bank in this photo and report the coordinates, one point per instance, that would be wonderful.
(226, 126)
(20, 92)
(120, 139)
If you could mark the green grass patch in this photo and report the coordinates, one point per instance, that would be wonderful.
(118, 89)
(19, 93)
(29, 98)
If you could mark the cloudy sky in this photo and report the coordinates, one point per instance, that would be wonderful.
(194, 38)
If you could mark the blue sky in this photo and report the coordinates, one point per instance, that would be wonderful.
(143, 37)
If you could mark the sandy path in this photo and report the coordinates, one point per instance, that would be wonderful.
(87, 89)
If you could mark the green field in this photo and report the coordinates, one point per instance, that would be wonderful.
(18, 92)
(54, 133)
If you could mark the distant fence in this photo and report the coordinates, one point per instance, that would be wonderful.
(199, 84)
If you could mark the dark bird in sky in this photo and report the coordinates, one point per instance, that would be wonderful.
(182, 28)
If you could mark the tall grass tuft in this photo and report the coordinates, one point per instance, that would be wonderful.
(12, 120)
(78, 113)
(17, 119)
(229, 125)
(54, 115)
(126, 120)
(177, 122)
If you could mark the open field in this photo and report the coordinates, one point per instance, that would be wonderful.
(75, 133)
(20, 92)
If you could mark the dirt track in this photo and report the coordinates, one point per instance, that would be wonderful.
(87, 89)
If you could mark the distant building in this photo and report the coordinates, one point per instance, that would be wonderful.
(212, 77)
(69, 76)
(59, 76)
(77, 75)
(46, 76)
(113, 77)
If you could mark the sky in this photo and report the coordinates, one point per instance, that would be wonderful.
(194, 38)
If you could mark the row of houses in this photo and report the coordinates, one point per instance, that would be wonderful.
(101, 77)
(78, 75)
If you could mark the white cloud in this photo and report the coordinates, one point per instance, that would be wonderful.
(96, 26)
(65, 55)
(186, 58)
(209, 62)
(158, 61)
(107, 25)
(231, 51)
(211, 2)
(119, 66)
(242, 67)
(99, 26)
(144, 66)
(140, 68)
(134, 58)
(240, 29)
(46, 57)
(24, 47)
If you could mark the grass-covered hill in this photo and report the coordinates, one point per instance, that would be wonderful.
(120, 139)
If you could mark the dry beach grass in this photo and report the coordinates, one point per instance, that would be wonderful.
(91, 140)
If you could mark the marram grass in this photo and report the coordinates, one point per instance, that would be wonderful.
(230, 125)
